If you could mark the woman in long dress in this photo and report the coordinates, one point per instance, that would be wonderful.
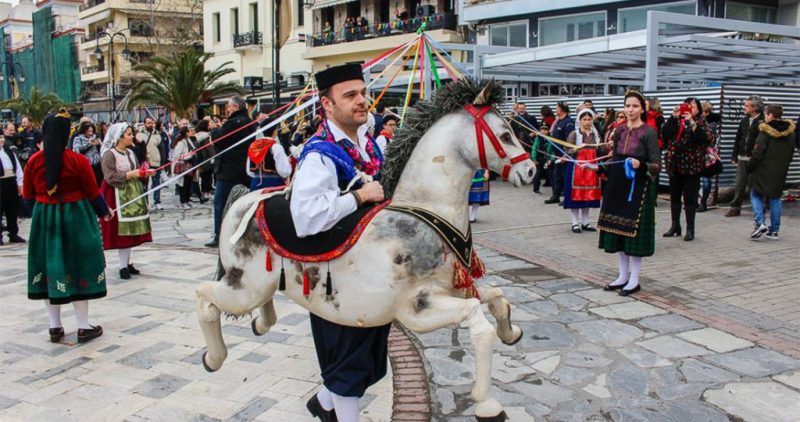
(627, 219)
(122, 186)
(65, 252)
(582, 184)
(478, 193)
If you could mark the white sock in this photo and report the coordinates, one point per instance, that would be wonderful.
(585, 216)
(124, 258)
(82, 313)
(473, 212)
(636, 265)
(325, 399)
(346, 408)
(53, 313)
(623, 269)
(573, 214)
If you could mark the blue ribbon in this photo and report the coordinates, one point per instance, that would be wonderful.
(630, 173)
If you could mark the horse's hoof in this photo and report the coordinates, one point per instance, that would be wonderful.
(516, 340)
(253, 326)
(205, 365)
(500, 417)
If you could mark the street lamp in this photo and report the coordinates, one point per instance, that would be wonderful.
(126, 54)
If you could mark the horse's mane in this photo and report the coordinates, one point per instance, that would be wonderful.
(422, 116)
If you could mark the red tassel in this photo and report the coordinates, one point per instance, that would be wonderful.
(269, 261)
(461, 277)
(477, 269)
(306, 284)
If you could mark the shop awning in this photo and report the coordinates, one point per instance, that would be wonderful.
(319, 4)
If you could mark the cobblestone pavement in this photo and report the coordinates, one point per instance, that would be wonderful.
(590, 355)
(146, 366)
(748, 288)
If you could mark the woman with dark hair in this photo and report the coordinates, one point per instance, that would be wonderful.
(627, 217)
(548, 117)
(65, 253)
(206, 170)
(88, 145)
(686, 137)
(655, 117)
(182, 160)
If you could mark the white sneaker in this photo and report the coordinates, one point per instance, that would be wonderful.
(759, 231)
(772, 236)
(159, 207)
(184, 206)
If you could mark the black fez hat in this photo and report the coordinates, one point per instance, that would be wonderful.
(338, 74)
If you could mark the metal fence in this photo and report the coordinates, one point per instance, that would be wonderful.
(728, 100)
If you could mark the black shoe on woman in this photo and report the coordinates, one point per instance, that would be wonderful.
(133, 270)
(626, 292)
(588, 228)
(576, 228)
(125, 273)
(689, 235)
(673, 231)
(611, 287)
(86, 334)
(315, 408)
(56, 334)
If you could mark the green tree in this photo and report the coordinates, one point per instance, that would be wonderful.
(180, 81)
(36, 106)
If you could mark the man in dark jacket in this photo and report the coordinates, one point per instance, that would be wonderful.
(563, 126)
(767, 169)
(229, 168)
(743, 147)
(522, 130)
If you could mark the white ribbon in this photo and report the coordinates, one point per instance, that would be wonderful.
(251, 211)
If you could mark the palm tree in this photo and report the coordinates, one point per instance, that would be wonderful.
(179, 82)
(37, 106)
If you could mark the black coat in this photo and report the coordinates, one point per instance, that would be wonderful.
(746, 136)
(231, 165)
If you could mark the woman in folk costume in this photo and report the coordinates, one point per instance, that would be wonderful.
(122, 184)
(65, 253)
(478, 193)
(267, 164)
(582, 184)
(627, 218)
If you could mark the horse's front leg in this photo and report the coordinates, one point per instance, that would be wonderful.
(267, 318)
(508, 333)
(427, 312)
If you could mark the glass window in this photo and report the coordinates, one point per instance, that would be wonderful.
(635, 18)
(254, 17)
(745, 12)
(514, 35)
(216, 27)
(300, 11)
(571, 28)
(235, 21)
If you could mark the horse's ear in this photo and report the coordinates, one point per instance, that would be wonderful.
(483, 96)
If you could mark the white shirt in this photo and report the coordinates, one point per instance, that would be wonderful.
(282, 164)
(317, 203)
(382, 143)
(9, 165)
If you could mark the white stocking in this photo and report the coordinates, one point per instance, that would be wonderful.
(53, 313)
(325, 399)
(346, 408)
(636, 265)
(82, 313)
(573, 214)
(473, 212)
(585, 216)
(623, 269)
(124, 258)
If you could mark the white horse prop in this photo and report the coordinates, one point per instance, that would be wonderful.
(400, 268)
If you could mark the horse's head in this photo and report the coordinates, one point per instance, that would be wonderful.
(493, 145)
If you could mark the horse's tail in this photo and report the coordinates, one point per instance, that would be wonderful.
(237, 192)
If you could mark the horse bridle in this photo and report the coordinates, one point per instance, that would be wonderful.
(482, 127)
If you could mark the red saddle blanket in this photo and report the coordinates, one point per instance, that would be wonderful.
(277, 227)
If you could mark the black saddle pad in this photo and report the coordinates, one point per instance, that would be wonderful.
(281, 233)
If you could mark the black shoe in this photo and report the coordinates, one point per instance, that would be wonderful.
(576, 228)
(689, 235)
(15, 239)
(551, 200)
(56, 334)
(86, 334)
(675, 230)
(213, 244)
(625, 292)
(537, 192)
(132, 270)
(588, 228)
(611, 288)
(703, 207)
(124, 273)
(315, 408)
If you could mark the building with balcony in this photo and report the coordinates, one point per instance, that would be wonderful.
(241, 32)
(119, 34)
(39, 48)
(358, 30)
(570, 27)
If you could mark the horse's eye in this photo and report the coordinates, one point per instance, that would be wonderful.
(506, 139)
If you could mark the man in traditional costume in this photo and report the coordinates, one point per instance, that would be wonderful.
(10, 188)
(267, 164)
(350, 358)
(65, 253)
